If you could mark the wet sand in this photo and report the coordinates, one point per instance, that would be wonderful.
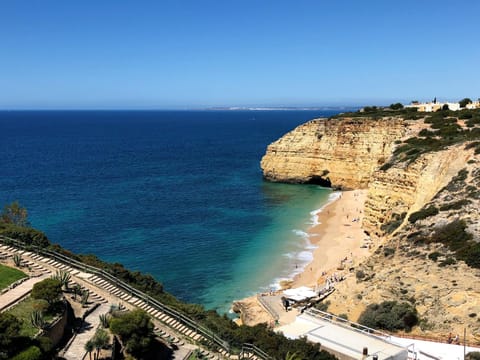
(338, 236)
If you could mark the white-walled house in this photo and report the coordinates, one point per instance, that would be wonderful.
(435, 106)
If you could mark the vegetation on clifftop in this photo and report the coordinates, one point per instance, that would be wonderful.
(446, 128)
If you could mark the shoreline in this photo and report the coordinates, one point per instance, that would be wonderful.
(337, 236)
(340, 244)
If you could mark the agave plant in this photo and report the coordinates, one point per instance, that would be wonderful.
(77, 290)
(64, 278)
(104, 320)
(37, 320)
(85, 295)
(17, 260)
(292, 356)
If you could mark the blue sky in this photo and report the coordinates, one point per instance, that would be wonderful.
(186, 54)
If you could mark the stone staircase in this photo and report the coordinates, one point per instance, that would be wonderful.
(168, 327)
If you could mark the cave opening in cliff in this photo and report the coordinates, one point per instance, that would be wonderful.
(318, 180)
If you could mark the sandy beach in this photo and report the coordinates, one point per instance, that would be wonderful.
(338, 236)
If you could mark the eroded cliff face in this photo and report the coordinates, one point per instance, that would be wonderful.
(349, 153)
(404, 188)
(408, 264)
(342, 152)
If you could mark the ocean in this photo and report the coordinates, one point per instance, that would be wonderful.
(177, 194)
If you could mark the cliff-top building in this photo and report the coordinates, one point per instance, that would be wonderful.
(434, 105)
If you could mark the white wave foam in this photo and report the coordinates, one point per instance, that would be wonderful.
(305, 256)
(297, 261)
(301, 233)
(315, 213)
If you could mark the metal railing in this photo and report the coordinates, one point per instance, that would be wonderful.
(250, 351)
(207, 334)
(268, 307)
(346, 323)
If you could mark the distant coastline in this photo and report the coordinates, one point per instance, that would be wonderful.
(284, 108)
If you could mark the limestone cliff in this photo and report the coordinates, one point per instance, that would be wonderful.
(410, 263)
(342, 152)
(405, 188)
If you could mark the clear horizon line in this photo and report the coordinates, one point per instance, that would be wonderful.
(212, 108)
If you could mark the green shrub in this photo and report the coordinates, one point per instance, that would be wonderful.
(135, 328)
(448, 261)
(474, 355)
(48, 289)
(454, 235)
(423, 214)
(434, 255)
(388, 251)
(470, 254)
(389, 315)
(455, 205)
(26, 235)
(395, 221)
(360, 274)
(322, 305)
(45, 344)
(31, 353)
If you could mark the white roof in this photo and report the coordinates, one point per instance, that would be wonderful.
(299, 294)
(342, 339)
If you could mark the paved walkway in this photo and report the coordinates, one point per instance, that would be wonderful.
(77, 348)
(12, 296)
(174, 329)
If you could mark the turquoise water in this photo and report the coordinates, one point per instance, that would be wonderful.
(179, 195)
(275, 252)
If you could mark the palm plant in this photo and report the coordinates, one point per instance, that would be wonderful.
(100, 340)
(89, 346)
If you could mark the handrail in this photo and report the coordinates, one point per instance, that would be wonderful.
(268, 307)
(256, 351)
(343, 322)
(208, 334)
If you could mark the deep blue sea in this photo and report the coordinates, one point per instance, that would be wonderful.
(177, 194)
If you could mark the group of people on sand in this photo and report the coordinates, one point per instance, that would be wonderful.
(454, 340)
(334, 278)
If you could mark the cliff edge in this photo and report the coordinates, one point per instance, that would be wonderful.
(423, 178)
(342, 153)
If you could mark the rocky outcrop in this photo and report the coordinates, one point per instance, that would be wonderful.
(408, 265)
(343, 152)
(404, 188)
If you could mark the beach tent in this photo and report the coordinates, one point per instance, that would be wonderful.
(299, 294)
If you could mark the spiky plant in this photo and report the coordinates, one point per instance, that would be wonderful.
(37, 320)
(17, 260)
(85, 295)
(77, 290)
(293, 356)
(104, 320)
(64, 278)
